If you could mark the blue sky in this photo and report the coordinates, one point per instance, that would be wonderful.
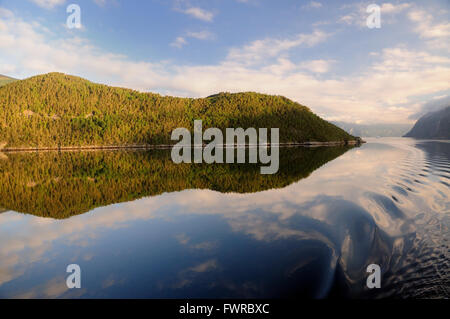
(319, 53)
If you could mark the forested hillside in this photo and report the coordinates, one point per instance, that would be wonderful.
(58, 110)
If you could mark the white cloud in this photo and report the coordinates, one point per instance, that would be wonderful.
(401, 59)
(313, 4)
(423, 22)
(179, 42)
(425, 27)
(435, 104)
(48, 4)
(200, 35)
(5, 13)
(394, 8)
(7, 68)
(199, 13)
(258, 51)
(349, 19)
(316, 66)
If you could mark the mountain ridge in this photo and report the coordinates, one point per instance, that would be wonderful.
(433, 125)
(6, 80)
(375, 129)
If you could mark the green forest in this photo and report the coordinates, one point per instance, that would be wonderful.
(63, 184)
(58, 110)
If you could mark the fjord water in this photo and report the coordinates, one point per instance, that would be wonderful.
(140, 226)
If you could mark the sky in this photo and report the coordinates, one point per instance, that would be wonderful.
(319, 53)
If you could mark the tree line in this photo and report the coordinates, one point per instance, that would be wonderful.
(57, 110)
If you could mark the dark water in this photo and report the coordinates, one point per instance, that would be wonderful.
(140, 226)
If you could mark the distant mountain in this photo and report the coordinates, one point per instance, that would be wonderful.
(55, 109)
(433, 125)
(5, 80)
(374, 130)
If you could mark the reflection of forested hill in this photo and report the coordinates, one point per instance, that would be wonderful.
(60, 185)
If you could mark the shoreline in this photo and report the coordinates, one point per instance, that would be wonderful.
(163, 146)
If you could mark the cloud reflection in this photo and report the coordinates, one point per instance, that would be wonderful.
(352, 225)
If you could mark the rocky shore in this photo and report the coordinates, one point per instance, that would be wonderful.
(5, 149)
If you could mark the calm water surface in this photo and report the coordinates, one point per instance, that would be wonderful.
(140, 226)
